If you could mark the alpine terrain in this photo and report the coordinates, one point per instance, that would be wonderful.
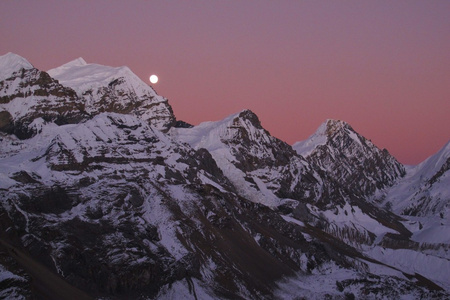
(104, 194)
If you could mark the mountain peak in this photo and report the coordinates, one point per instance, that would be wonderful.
(10, 63)
(114, 89)
(325, 131)
(75, 63)
(250, 116)
(82, 76)
(332, 126)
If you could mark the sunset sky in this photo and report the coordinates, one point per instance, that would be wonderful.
(382, 66)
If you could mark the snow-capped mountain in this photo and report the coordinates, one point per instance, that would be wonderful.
(108, 89)
(375, 176)
(425, 190)
(350, 158)
(11, 63)
(261, 167)
(28, 93)
(104, 197)
(312, 192)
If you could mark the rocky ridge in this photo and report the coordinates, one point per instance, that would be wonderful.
(119, 202)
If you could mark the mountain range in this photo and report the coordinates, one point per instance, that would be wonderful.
(104, 194)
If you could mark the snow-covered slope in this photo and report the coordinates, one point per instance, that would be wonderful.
(268, 171)
(320, 137)
(423, 197)
(27, 94)
(100, 193)
(425, 190)
(262, 167)
(114, 205)
(114, 89)
(10, 63)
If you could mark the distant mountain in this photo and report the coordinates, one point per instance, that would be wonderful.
(104, 194)
(350, 158)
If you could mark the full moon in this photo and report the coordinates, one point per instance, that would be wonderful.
(153, 79)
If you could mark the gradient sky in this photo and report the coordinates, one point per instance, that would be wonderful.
(382, 66)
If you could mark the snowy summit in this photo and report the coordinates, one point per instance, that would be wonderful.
(10, 63)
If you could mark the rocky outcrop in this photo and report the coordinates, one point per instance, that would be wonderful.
(116, 90)
(30, 94)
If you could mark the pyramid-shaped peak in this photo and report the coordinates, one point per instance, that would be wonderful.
(10, 63)
(249, 115)
(332, 126)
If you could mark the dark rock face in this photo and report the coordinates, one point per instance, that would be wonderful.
(253, 146)
(43, 98)
(182, 124)
(287, 174)
(354, 161)
(118, 97)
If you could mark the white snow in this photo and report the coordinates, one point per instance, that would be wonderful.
(409, 261)
(411, 190)
(5, 274)
(157, 214)
(82, 76)
(293, 220)
(124, 88)
(306, 147)
(430, 229)
(353, 217)
(315, 286)
(10, 63)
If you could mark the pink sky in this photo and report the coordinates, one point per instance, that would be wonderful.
(382, 66)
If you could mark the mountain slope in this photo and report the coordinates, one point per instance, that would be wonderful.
(116, 199)
(27, 93)
(118, 202)
(261, 167)
(119, 90)
(350, 158)
(375, 176)
(425, 191)
(11, 63)
(268, 171)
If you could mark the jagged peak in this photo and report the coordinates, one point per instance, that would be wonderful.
(10, 63)
(246, 112)
(332, 126)
(249, 115)
(327, 130)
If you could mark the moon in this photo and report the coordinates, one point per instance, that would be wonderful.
(153, 79)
